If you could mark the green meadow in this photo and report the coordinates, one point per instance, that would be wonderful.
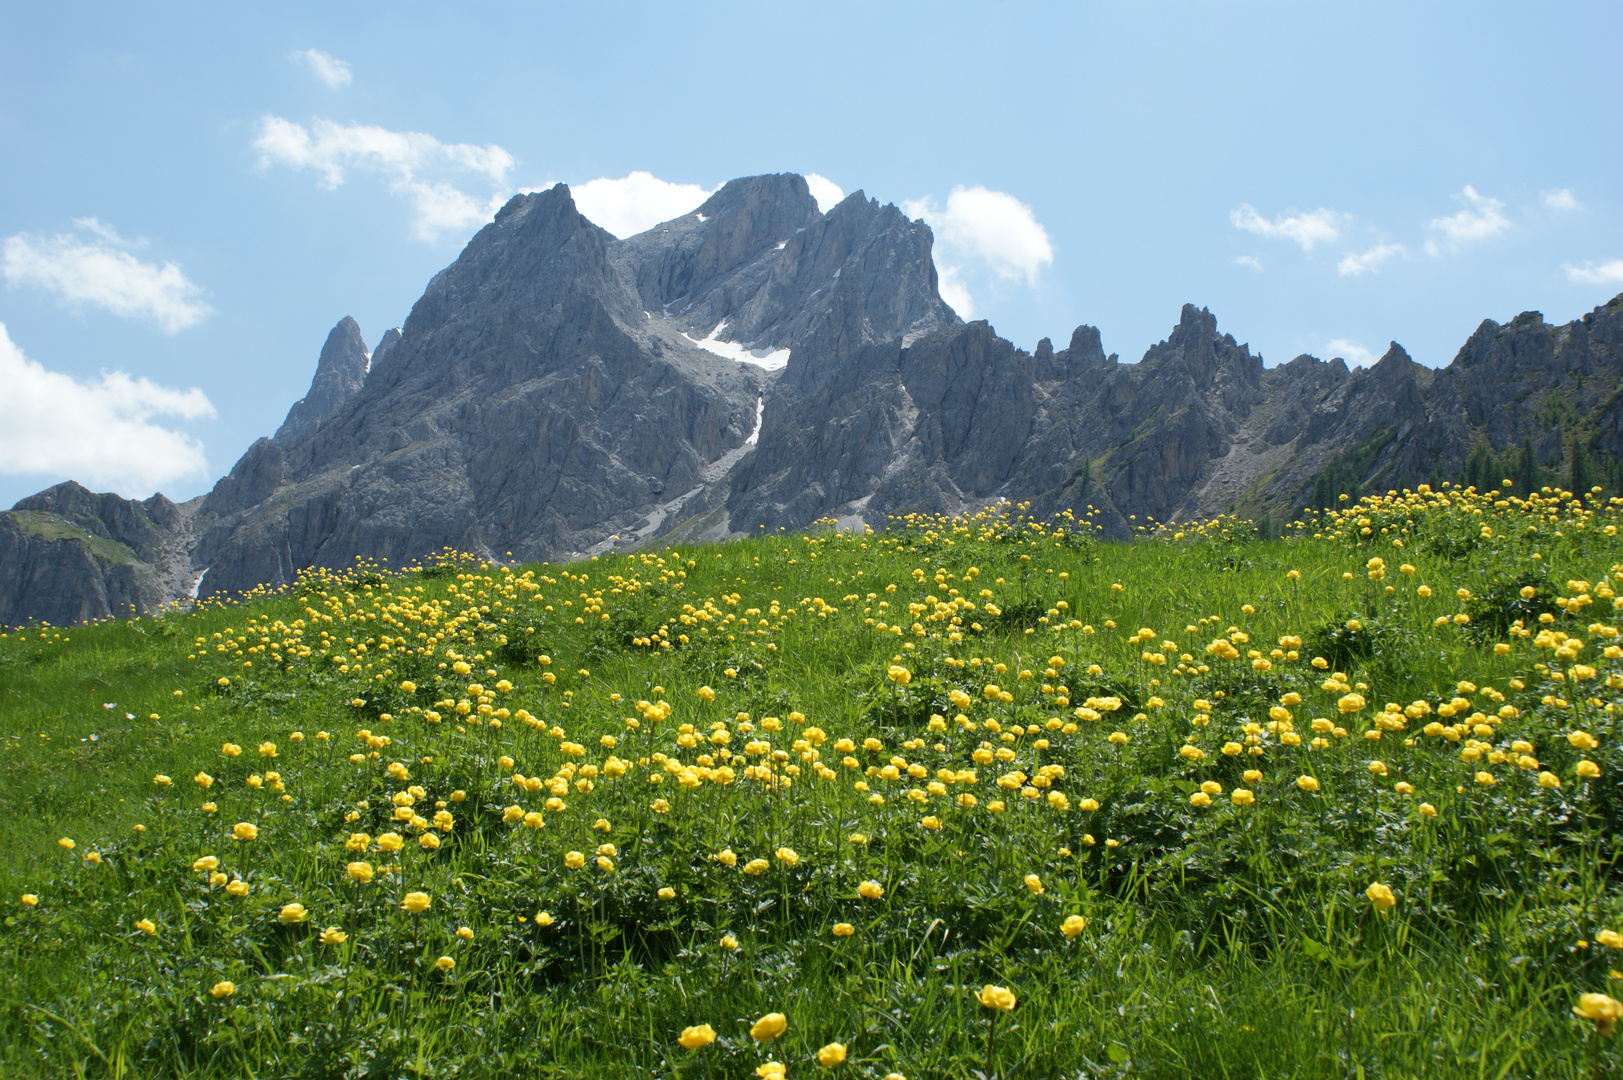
(978, 797)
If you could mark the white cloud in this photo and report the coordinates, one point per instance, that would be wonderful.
(827, 193)
(416, 166)
(100, 274)
(1482, 218)
(98, 431)
(1562, 199)
(1368, 262)
(328, 69)
(1350, 351)
(953, 290)
(991, 226)
(1249, 260)
(636, 202)
(1308, 229)
(1607, 273)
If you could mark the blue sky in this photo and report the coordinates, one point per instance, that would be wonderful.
(194, 194)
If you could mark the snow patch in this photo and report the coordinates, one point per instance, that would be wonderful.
(770, 359)
(781, 244)
(760, 410)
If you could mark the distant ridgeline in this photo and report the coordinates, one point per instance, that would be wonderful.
(758, 363)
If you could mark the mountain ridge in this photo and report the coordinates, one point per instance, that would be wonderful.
(557, 391)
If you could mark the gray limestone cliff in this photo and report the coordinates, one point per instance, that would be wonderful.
(758, 363)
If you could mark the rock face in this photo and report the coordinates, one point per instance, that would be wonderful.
(339, 374)
(70, 556)
(550, 391)
(557, 391)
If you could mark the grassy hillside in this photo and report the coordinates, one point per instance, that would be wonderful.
(1202, 804)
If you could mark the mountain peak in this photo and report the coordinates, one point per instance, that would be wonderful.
(340, 371)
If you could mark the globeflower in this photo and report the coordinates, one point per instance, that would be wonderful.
(333, 936)
(574, 860)
(1073, 926)
(223, 988)
(996, 997)
(146, 926)
(445, 963)
(692, 1038)
(844, 929)
(1381, 896)
(1034, 885)
(769, 1027)
(787, 856)
(870, 890)
(243, 830)
(1308, 783)
(360, 872)
(831, 1055)
(1603, 1009)
(292, 913)
(415, 902)
(205, 864)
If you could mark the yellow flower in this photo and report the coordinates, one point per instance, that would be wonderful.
(415, 902)
(333, 936)
(1603, 1009)
(267, 749)
(844, 929)
(1548, 780)
(727, 858)
(544, 918)
(390, 841)
(1610, 938)
(694, 1037)
(428, 842)
(771, 1070)
(1582, 740)
(769, 1027)
(757, 867)
(1073, 926)
(445, 963)
(1201, 799)
(68, 844)
(205, 864)
(1034, 885)
(870, 890)
(574, 860)
(291, 914)
(238, 888)
(996, 997)
(223, 988)
(787, 856)
(162, 781)
(666, 893)
(1351, 703)
(899, 674)
(360, 871)
(243, 830)
(1242, 796)
(29, 899)
(1588, 769)
(831, 1055)
(706, 694)
(605, 864)
(1381, 896)
(729, 942)
(1308, 783)
(464, 933)
(146, 926)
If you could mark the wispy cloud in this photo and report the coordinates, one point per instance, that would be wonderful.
(1561, 199)
(1305, 228)
(1606, 273)
(1481, 218)
(327, 68)
(98, 431)
(1350, 351)
(1368, 262)
(1249, 260)
(636, 202)
(417, 167)
(101, 273)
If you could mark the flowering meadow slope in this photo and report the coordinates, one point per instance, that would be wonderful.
(966, 795)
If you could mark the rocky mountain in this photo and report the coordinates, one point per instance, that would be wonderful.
(557, 391)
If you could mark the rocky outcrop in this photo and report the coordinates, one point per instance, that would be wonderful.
(69, 556)
(339, 374)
